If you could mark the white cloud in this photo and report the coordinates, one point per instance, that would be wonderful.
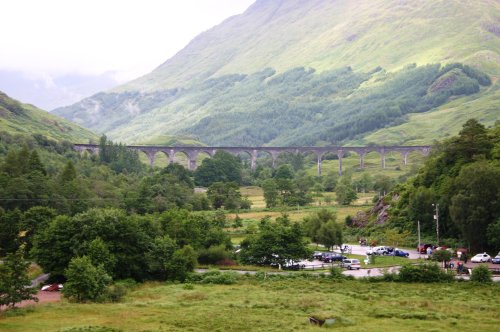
(129, 37)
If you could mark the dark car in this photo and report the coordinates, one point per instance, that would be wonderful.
(329, 257)
(400, 253)
(318, 255)
(295, 266)
(496, 259)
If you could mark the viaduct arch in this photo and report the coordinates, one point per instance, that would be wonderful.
(192, 152)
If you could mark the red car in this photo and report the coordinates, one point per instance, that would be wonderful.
(52, 288)
(423, 248)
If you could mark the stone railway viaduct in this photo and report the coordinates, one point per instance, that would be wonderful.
(192, 152)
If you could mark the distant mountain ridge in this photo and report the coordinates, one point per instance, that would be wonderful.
(245, 80)
(51, 91)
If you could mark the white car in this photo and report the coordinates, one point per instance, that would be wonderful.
(351, 264)
(381, 250)
(481, 258)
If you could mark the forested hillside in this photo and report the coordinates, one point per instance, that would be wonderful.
(462, 175)
(298, 107)
(312, 73)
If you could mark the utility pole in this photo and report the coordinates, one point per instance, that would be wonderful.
(436, 216)
(418, 227)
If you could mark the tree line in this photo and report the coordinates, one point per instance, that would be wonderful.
(462, 175)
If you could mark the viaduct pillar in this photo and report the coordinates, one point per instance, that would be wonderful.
(253, 160)
(382, 157)
(151, 156)
(362, 160)
(320, 157)
(340, 154)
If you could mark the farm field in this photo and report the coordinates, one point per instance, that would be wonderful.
(275, 305)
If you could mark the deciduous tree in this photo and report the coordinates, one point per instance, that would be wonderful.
(84, 281)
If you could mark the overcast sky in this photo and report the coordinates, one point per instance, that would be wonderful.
(131, 37)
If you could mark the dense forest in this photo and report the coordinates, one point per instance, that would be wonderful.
(105, 213)
(460, 182)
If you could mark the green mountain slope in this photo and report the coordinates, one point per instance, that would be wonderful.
(443, 122)
(310, 72)
(364, 34)
(25, 119)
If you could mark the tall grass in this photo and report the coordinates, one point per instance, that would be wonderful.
(277, 305)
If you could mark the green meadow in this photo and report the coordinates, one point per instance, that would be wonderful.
(275, 305)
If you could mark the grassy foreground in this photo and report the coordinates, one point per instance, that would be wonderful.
(279, 305)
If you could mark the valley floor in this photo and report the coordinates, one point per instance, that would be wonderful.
(275, 305)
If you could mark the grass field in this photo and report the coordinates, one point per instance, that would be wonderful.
(258, 210)
(276, 305)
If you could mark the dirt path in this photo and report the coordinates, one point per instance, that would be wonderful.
(43, 297)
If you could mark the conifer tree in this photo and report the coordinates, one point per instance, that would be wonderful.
(14, 281)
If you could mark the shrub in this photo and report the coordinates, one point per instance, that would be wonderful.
(481, 274)
(336, 273)
(226, 278)
(85, 282)
(245, 204)
(188, 286)
(441, 256)
(427, 272)
(213, 255)
(214, 277)
(389, 276)
(116, 291)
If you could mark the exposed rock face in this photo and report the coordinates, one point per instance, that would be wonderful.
(379, 213)
(361, 219)
(381, 209)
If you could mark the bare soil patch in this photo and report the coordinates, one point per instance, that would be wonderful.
(43, 297)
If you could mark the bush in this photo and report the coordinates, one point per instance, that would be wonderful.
(389, 276)
(336, 273)
(115, 292)
(226, 278)
(245, 204)
(481, 274)
(188, 286)
(213, 255)
(427, 272)
(441, 256)
(85, 282)
(214, 277)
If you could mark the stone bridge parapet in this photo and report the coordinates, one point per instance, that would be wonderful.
(192, 152)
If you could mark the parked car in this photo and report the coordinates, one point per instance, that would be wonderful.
(496, 260)
(351, 264)
(295, 266)
(52, 287)
(422, 249)
(329, 257)
(318, 255)
(400, 253)
(481, 258)
(381, 250)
